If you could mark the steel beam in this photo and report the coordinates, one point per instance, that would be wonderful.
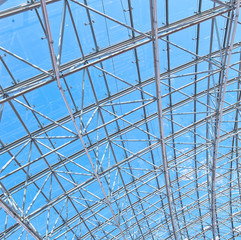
(76, 65)
(122, 131)
(27, 226)
(56, 73)
(123, 93)
(23, 8)
(148, 176)
(154, 24)
(138, 222)
(219, 119)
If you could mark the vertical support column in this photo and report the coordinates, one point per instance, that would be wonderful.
(154, 24)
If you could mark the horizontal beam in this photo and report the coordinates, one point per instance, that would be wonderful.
(145, 176)
(23, 8)
(186, 194)
(126, 129)
(113, 97)
(79, 64)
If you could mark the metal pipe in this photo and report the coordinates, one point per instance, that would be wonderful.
(218, 122)
(154, 25)
(56, 73)
(27, 226)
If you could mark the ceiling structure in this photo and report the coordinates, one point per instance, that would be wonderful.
(119, 119)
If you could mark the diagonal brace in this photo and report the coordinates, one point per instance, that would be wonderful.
(56, 73)
(28, 227)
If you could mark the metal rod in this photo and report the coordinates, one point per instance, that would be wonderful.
(56, 72)
(27, 226)
(163, 31)
(154, 23)
(219, 121)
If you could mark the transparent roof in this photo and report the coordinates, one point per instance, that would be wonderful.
(120, 119)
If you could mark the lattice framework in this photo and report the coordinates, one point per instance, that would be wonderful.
(135, 138)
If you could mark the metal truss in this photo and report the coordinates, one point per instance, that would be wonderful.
(120, 119)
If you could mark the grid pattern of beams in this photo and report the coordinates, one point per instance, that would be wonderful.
(120, 119)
